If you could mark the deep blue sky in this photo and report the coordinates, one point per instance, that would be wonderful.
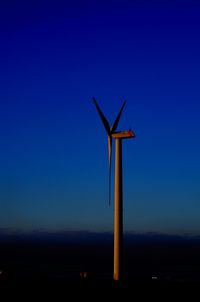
(56, 55)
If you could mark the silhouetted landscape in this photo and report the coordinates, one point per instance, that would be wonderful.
(85, 260)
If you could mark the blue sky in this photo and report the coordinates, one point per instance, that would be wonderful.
(57, 55)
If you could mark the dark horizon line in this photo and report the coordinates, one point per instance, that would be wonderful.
(8, 232)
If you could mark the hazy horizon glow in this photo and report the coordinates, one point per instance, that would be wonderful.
(55, 57)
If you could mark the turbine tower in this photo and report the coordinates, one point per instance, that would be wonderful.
(118, 192)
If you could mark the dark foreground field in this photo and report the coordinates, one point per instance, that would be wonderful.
(81, 264)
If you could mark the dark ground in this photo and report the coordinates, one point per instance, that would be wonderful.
(51, 265)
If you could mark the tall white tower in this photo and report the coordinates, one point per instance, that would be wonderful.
(118, 191)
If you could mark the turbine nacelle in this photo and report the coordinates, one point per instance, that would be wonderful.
(123, 134)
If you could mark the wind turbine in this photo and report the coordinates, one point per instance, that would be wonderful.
(118, 193)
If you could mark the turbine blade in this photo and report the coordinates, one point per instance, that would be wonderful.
(114, 126)
(109, 163)
(103, 118)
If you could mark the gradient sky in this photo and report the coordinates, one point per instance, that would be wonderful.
(54, 57)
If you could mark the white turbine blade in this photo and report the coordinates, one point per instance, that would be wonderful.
(107, 127)
(109, 163)
(103, 118)
(114, 126)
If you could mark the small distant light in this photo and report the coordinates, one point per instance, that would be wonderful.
(1, 272)
(154, 278)
(83, 274)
